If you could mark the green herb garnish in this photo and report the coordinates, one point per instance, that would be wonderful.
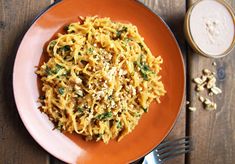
(52, 44)
(48, 70)
(65, 48)
(104, 115)
(119, 32)
(144, 68)
(127, 39)
(80, 110)
(61, 90)
(57, 68)
(144, 75)
(90, 50)
(119, 125)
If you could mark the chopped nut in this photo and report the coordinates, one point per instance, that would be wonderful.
(207, 81)
(206, 72)
(204, 78)
(79, 92)
(198, 80)
(201, 98)
(200, 88)
(211, 83)
(215, 106)
(209, 77)
(211, 106)
(193, 109)
(81, 17)
(207, 101)
(211, 94)
(216, 90)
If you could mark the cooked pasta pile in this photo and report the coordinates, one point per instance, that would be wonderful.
(100, 79)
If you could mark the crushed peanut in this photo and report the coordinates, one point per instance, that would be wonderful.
(209, 105)
(200, 88)
(206, 71)
(211, 94)
(207, 81)
(201, 98)
(211, 82)
(198, 80)
(216, 90)
(193, 109)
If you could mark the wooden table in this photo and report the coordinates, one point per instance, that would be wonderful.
(213, 131)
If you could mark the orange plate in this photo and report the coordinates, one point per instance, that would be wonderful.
(153, 126)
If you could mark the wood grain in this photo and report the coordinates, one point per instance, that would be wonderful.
(213, 131)
(173, 12)
(16, 145)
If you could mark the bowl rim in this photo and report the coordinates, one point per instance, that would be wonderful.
(189, 36)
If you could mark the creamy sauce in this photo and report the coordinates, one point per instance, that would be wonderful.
(211, 27)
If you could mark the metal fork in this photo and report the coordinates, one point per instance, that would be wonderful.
(168, 150)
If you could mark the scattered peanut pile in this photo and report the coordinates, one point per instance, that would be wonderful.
(207, 81)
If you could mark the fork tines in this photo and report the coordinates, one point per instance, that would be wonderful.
(170, 149)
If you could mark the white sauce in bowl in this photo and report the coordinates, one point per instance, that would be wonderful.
(212, 27)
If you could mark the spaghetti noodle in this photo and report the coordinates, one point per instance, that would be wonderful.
(100, 79)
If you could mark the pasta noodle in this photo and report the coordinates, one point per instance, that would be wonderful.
(100, 79)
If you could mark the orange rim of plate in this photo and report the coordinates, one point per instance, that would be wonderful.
(153, 126)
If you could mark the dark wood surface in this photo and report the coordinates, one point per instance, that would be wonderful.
(173, 14)
(213, 131)
(16, 145)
